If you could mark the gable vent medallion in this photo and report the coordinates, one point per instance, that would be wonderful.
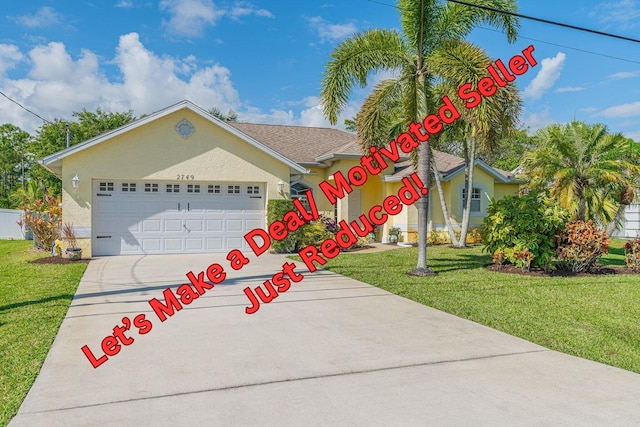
(185, 129)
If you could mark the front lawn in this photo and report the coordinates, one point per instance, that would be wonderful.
(34, 299)
(593, 317)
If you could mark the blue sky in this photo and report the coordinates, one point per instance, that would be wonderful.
(265, 59)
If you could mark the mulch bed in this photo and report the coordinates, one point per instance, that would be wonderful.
(597, 271)
(57, 260)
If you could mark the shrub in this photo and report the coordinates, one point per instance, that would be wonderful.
(580, 245)
(312, 233)
(275, 211)
(632, 254)
(43, 217)
(438, 237)
(517, 224)
(474, 235)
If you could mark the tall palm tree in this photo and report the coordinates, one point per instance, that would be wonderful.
(427, 26)
(585, 167)
(481, 127)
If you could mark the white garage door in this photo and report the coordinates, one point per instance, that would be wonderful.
(160, 217)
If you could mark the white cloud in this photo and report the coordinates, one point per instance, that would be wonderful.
(10, 55)
(190, 18)
(570, 89)
(623, 110)
(312, 115)
(331, 32)
(625, 75)
(246, 9)
(623, 14)
(44, 17)
(537, 120)
(124, 4)
(546, 77)
(58, 84)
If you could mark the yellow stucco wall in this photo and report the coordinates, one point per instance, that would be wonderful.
(156, 151)
(408, 219)
(501, 190)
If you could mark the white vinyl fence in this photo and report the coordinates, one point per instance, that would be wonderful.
(631, 228)
(9, 228)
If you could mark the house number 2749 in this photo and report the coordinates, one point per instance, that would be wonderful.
(180, 176)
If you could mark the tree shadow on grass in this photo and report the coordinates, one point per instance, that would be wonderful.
(461, 261)
(39, 301)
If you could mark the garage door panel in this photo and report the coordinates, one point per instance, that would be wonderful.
(214, 225)
(234, 225)
(151, 225)
(194, 225)
(194, 244)
(168, 222)
(173, 225)
(234, 243)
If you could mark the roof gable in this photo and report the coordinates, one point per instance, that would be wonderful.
(53, 162)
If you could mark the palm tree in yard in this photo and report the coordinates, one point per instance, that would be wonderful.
(479, 128)
(428, 26)
(585, 168)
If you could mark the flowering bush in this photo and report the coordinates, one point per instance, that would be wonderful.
(632, 254)
(580, 245)
(43, 217)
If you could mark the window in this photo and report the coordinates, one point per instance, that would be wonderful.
(128, 187)
(173, 188)
(150, 188)
(213, 189)
(299, 191)
(233, 189)
(106, 186)
(193, 188)
(253, 189)
(475, 199)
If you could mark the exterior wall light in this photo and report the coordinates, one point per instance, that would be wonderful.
(75, 181)
(281, 188)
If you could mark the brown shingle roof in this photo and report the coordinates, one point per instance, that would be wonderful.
(307, 144)
(298, 143)
(446, 164)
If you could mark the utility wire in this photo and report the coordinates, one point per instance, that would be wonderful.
(566, 47)
(25, 108)
(532, 39)
(546, 21)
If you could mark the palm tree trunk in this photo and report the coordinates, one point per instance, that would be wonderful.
(466, 210)
(443, 205)
(424, 160)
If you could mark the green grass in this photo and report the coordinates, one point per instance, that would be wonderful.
(34, 299)
(595, 318)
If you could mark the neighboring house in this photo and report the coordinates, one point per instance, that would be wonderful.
(631, 226)
(181, 181)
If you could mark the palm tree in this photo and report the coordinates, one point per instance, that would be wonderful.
(585, 167)
(427, 27)
(481, 127)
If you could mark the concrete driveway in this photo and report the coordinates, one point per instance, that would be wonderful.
(329, 351)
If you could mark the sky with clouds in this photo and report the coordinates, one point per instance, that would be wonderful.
(265, 59)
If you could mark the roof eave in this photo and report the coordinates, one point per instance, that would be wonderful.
(57, 157)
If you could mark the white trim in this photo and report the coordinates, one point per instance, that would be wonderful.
(54, 160)
(483, 203)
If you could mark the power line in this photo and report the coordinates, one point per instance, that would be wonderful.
(546, 21)
(536, 40)
(25, 108)
(567, 47)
